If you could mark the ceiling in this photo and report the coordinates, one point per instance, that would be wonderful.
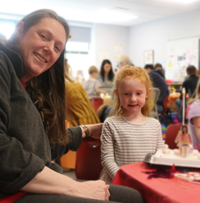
(116, 12)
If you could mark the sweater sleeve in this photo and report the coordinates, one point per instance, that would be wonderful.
(107, 150)
(159, 143)
(17, 166)
(75, 140)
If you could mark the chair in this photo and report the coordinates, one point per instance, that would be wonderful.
(154, 112)
(88, 160)
(104, 111)
(68, 160)
(96, 102)
(171, 133)
(166, 112)
(169, 81)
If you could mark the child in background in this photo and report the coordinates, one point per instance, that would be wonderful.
(92, 84)
(130, 134)
(194, 118)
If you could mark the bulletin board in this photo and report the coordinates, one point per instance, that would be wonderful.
(180, 54)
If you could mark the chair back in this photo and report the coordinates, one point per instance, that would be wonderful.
(165, 104)
(169, 81)
(171, 133)
(96, 102)
(154, 112)
(88, 160)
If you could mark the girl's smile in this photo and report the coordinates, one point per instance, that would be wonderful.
(132, 94)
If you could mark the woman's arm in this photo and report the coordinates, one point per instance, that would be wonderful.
(75, 136)
(50, 182)
(196, 122)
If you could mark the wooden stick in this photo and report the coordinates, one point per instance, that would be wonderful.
(183, 108)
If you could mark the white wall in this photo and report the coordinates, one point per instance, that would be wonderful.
(156, 34)
(105, 37)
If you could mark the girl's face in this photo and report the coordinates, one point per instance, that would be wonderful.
(41, 46)
(132, 95)
(106, 68)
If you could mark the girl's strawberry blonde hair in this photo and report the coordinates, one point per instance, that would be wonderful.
(140, 74)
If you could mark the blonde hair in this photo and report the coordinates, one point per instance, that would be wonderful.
(68, 73)
(138, 73)
(93, 69)
(124, 60)
(196, 93)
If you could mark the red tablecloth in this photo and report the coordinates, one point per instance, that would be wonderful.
(153, 190)
(12, 198)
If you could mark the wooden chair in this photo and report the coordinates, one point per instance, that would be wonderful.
(171, 132)
(96, 102)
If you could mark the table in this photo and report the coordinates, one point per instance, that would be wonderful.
(175, 85)
(155, 190)
(171, 104)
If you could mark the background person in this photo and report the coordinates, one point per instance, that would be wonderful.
(125, 60)
(78, 107)
(159, 66)
(92, 84)
(189, 84)
(106, 76)
(124, 136)
(159, 82)
(32, 125)
(194, 118)
(198, 73)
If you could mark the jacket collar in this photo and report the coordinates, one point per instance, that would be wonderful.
(15, 59)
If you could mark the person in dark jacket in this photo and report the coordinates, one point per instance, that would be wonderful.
(159, 66)
(159, 82)
(190, 85)
(32, 120)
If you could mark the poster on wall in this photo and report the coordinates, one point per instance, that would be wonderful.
(104, 55)
(117, 50)
(148, 57)
(180, 54)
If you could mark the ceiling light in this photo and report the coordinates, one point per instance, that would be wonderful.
(114, 15)
(184, 1)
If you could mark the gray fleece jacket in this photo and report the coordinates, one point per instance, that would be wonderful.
(24, 146)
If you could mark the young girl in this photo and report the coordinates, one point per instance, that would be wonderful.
(130, 134)
(194, 118)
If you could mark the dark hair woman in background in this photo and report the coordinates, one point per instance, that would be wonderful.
(106, 75)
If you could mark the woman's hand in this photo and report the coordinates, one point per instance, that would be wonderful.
(94, 190)
(95, 130)
(48, 181)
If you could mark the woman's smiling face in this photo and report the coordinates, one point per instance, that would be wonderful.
(41, 46)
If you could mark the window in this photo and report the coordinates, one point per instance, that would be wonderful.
(78, 56)
(7, 28)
